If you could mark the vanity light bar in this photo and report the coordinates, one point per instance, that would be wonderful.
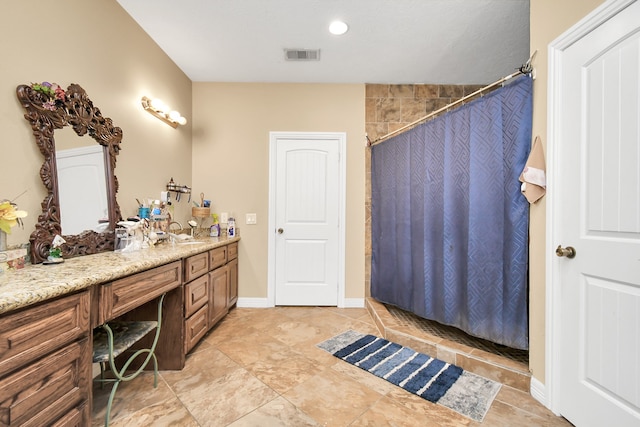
(160, 110)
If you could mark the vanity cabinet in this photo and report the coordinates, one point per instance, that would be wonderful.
(211, 283)
(46, 321)
(45, 363)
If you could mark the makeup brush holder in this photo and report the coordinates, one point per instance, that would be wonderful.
(200, 212)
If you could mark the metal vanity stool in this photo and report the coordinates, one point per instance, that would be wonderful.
(114, 338)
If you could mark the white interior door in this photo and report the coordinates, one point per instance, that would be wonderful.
(307, 218)
(596, 210)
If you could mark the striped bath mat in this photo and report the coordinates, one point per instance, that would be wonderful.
(432, 379)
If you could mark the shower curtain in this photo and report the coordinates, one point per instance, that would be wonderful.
(449, 223)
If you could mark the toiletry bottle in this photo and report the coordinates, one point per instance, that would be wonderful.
(214, 231)
(231, 226)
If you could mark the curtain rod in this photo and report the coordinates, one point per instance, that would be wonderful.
(524, 69)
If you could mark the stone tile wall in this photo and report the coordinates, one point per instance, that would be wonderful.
(390, 107)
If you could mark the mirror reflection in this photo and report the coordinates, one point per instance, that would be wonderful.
(82, 183)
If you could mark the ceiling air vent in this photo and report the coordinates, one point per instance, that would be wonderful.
(302, 54)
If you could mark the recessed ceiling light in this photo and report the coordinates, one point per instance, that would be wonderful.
(338, 28)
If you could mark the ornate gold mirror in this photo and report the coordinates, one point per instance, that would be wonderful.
(49, 113)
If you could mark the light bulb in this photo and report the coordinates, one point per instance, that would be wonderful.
(174, 115)
(182, 121)
(157, 104)
(338, 28)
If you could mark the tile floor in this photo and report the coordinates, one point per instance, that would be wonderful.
(261, 367)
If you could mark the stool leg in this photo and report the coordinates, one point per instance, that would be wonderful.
(107, 416)
(120, 375)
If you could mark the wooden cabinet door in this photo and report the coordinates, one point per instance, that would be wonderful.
(32, 333)
(218, 291)
(46, 391)
(233, 283)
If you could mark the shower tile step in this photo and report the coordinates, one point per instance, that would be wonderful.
(493, 366)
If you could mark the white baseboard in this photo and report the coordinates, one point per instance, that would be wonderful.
(253, 303)
(354, 303)
(264, 303)
(538, 391)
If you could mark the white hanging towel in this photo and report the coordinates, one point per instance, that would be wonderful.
(534, 182)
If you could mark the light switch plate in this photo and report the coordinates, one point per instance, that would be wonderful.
(250, 219)
(224, 217)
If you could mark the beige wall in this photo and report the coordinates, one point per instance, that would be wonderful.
(231, 128)
(549, 19)
(98, 46)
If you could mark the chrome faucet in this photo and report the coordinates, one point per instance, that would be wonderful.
(175, 222)
(193, 226)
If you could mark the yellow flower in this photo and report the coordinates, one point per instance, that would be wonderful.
(9, 216)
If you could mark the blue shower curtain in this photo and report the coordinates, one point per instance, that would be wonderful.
(449, 223)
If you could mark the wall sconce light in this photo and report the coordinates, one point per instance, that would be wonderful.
(160, 110)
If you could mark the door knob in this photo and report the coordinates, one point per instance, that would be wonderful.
(569, 251)
(280, 231)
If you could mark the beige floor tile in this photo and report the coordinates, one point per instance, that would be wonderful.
(332, 398)
(130, 398)
(386, 412)
(262, 367)
(313, 352)
(420, 409)
(293, 332)
(220, 401)
(503, 415)
(284, 370)
(247, 349)
(172, 413)
(525, 402)
(277, 413)
(200, 366)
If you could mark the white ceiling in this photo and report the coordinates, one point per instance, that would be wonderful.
(389, 41)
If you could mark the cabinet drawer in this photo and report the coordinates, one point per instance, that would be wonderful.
(76, 417)
(232, 252)
(46, 391)
(196, 266)
(196, 327)
(34, 332)
(196, 295)
(123, 295)
(217, 257)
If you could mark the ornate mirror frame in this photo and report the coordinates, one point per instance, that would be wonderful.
(45, 116)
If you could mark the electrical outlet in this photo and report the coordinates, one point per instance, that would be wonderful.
(224, 217)
(250, 219)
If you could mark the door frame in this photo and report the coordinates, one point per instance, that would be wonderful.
(553, 314)
(271, 259)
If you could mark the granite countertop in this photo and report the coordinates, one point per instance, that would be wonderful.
(38, 282)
